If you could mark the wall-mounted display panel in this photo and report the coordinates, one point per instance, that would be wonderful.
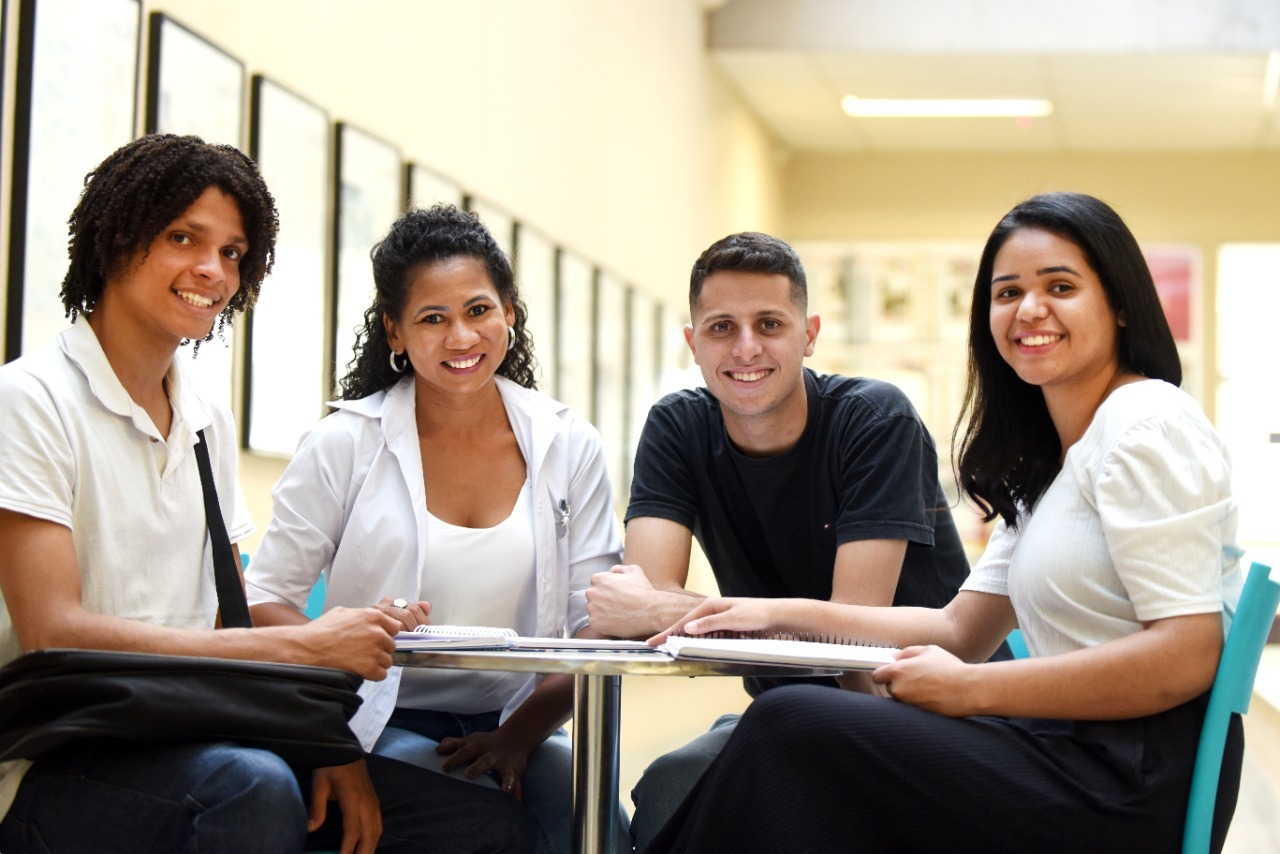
(75, 85)
(644, 369)
(426, 187)
(369, 199)
(501, 224)
(612, 350)
(286, 382)
(535, 265)
(575, 332)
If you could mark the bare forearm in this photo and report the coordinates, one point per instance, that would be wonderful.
(544, 712)
(1142, 674)
(899, 626)
(650, 612)
(87, 630)
(277, 614)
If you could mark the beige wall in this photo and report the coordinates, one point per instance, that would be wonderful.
(1202, 199)
(602, 124)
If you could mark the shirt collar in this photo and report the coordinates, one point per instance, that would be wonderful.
(81, 346)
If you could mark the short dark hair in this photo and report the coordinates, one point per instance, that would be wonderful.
(133, 195)
(419, 238)
(1009, 452)
(750, 252)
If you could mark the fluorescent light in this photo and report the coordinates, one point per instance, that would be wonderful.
(945, 108)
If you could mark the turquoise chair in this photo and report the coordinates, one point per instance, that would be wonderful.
(1232, 688)
(1017, 644)
(315, 599)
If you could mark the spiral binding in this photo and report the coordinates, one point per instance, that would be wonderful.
(804, 637)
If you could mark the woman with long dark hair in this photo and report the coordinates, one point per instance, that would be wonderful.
(1114, 553)
(445, 489)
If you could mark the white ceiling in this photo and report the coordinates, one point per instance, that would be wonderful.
(1179, 96)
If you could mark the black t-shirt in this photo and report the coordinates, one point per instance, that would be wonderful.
(864, 468)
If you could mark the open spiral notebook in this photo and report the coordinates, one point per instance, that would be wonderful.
(795, 649)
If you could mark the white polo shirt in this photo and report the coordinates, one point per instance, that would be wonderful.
(79, 452)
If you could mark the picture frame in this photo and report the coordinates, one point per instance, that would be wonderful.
(575, 328)
(535, 268)
(75, 86)
(285, 380)
(368, 198)
(196, 87)
(501, 224)
(678, 370)
(425, 187)
(1176, 271)
(644, 364)
(610, 376)
(193, 85)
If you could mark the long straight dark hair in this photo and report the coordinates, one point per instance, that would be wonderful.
(1007, 449)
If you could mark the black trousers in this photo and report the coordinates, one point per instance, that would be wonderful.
(819, 769)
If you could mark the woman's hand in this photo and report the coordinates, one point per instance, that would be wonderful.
(933, 679)
(482, 752)
(718, 615)
(408, 614)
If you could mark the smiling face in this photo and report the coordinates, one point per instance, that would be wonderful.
(177, 286)
(1050, 316)
(750, 339)
(453, 326)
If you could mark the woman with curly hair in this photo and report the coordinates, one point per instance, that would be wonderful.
(105, 546)
(446, 490)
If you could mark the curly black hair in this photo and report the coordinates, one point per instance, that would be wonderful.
(133, 195)
(418, 238)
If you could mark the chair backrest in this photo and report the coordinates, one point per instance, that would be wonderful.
(1017, 644)
(1232, 688)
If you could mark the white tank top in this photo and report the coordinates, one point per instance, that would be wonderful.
(478, 577)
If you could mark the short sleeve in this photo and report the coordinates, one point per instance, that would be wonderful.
(308, 517)
(37, 462)
(1163, 493)
(595, 543)
(991, 573)
(662, 483)
(888, 480)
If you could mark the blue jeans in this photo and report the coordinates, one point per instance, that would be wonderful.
(547, 785)
(109, 797)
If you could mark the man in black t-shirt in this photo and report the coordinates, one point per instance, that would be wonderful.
(795, 484)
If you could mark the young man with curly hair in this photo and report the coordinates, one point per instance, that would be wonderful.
(103, 543)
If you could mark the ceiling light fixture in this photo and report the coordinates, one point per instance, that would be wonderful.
(945, 108)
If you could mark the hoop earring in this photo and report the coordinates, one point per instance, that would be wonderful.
(399, 369)
(511, 337)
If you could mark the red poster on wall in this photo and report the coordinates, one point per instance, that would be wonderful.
(1175, 270)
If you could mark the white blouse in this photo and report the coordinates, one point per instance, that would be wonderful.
(1139, 525)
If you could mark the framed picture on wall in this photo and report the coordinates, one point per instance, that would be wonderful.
(501, 224)
(575, 332)
(677, 368)
(368, 200)
(612, 349)
(425, 187)
(643, 368)
(1176, 271)
(535, 265)
(285, 377)
(75, 84)
(195, 87)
